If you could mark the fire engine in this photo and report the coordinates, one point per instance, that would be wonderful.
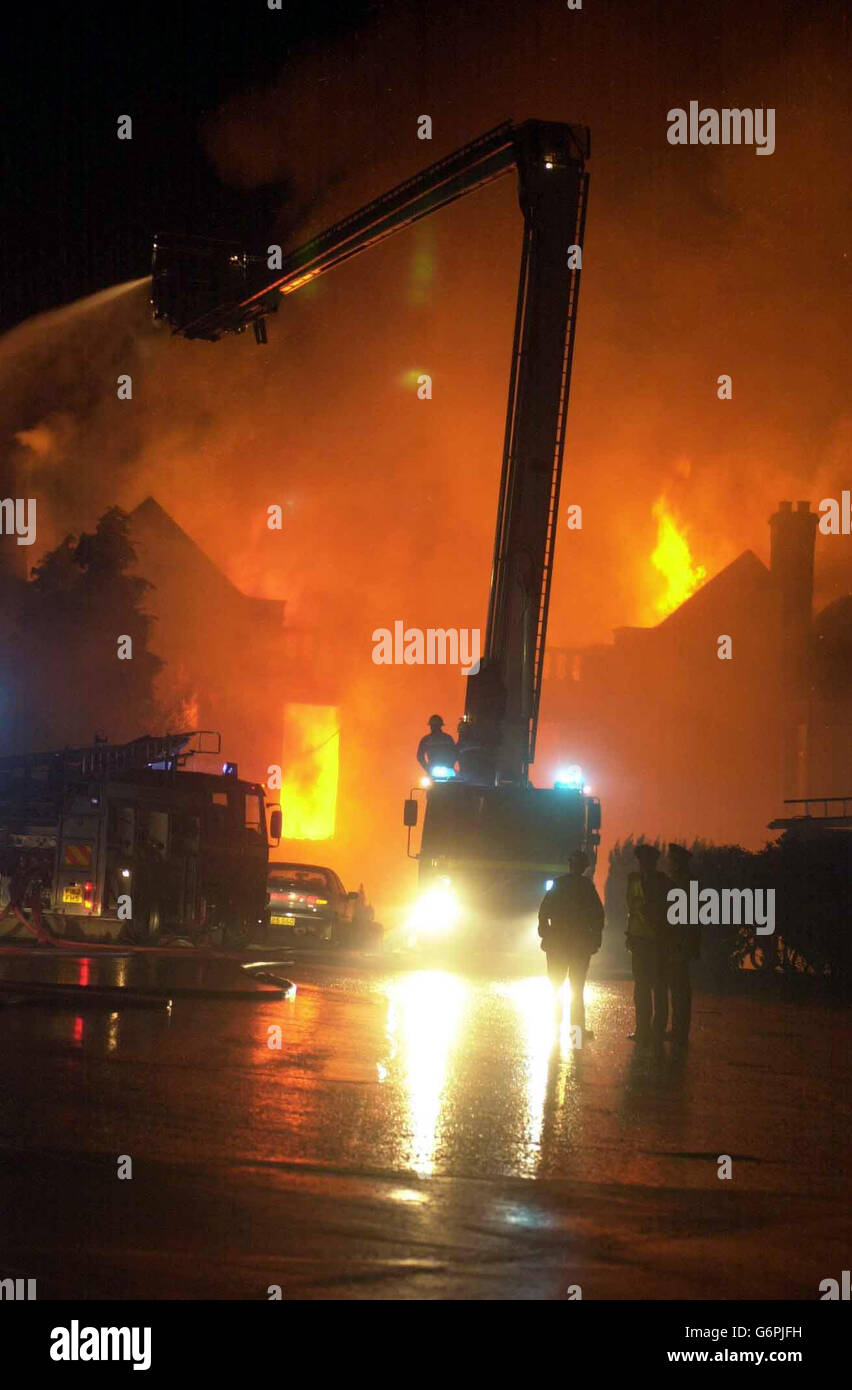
(123, 842)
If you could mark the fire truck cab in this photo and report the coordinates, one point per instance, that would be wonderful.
(122, 841)
(487, 855)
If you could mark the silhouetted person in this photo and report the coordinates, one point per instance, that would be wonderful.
(437, 748)
(570, 924)
(684, 947)
(647, 941)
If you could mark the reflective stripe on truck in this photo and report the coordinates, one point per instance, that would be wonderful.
(77, 856)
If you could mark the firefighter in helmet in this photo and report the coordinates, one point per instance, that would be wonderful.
(437, 748)
(570, 924)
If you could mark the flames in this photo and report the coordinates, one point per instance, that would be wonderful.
(310, 771)
(672, 559)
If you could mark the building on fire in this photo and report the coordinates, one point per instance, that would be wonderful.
(680, 742)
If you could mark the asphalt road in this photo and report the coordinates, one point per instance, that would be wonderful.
(418, 1134)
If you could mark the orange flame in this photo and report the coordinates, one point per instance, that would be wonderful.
(673, 559)
(310, 771)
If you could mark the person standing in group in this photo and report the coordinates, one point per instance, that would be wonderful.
(683, 948)
(570, 924)
(647, 940)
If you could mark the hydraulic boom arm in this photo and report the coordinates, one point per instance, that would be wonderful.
(205, 289)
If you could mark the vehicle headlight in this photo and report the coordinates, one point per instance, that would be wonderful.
(436, 911)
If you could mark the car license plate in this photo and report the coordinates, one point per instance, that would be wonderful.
(72, 895)
(281, 921)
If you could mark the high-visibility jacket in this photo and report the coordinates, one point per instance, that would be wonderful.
(571, 916)
(647, 906)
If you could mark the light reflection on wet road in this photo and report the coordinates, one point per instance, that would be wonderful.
(420, 1133)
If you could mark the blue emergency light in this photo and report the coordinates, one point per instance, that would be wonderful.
(441, 774)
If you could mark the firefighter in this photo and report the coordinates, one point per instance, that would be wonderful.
(437, 748)
(684, 946)
(647, 941)
(570, 924)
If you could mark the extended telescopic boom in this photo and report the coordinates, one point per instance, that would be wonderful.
(205, 289)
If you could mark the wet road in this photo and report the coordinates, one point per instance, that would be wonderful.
(418, 1134)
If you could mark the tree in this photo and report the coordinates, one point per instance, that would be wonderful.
(71, 683)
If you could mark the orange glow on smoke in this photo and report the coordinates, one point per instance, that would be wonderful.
(673, 559)
(310, 771)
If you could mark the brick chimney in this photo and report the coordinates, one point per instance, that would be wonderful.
(792, 563)
(792, 539)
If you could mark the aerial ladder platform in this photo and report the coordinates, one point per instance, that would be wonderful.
(206, 289)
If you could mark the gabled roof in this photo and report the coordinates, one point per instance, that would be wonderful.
(170, 549)
(150, 524)
(726, 591)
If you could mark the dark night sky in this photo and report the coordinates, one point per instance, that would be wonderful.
(79, 207)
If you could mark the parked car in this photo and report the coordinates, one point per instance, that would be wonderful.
(309, 900)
